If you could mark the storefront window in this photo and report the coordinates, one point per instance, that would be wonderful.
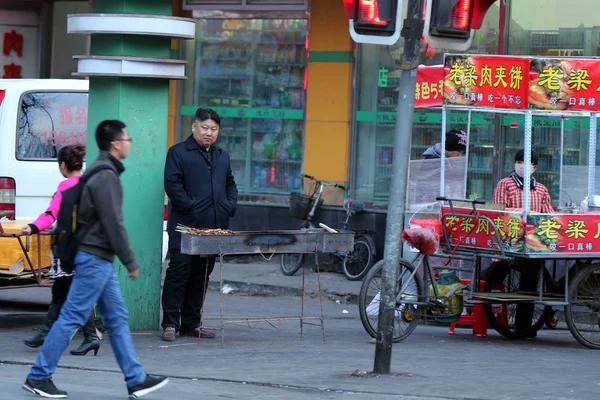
(378, 79)
(543, 28)
(252, 72)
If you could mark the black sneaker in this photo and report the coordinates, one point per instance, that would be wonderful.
(44, 389)
(151, 384)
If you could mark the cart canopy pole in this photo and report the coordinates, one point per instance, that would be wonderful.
(443, 158)
(562, 152)
(527, 161)
(467, 150)
(592, 159)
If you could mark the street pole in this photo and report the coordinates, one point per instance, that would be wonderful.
(412, 31)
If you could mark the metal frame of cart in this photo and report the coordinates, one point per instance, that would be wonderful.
(37, 272)
(306, 241)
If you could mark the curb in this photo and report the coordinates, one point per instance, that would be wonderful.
(272, 290)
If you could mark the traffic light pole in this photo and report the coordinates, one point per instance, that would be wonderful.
(412, 32)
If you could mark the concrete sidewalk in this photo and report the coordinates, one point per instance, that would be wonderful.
(260, 362)
(266, 278)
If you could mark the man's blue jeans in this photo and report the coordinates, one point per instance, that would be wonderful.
(95, 281)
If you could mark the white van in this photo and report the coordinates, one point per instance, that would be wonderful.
(37, 118)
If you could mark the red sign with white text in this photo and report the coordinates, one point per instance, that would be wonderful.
(429, 88)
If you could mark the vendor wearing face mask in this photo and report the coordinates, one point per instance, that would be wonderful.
(509, 190)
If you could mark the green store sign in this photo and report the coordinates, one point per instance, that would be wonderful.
(476, 119)
(429, 117)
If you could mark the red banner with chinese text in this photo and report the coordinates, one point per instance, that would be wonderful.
(543, 233)
(429, 89)
(553, 84)
(564, 84)
(478, 232)
(563, 233)
(486, 81)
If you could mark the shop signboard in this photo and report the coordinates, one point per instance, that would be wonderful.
(486, 81)
(543, 233)
(19, 40)
(429, 87)
(546, 84)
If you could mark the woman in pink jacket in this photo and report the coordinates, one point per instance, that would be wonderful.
(70, 163)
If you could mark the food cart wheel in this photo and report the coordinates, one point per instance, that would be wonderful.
(506, 277)
(290, 263)
(406, 315)
(552, 321)
(582, 314)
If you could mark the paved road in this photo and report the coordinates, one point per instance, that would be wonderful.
(264, 363)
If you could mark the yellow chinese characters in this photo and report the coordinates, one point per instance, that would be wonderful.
(597, 236)
(486, 76)
(576, 229)
(516, 76)
(470, 75)
(579, 79)
(499, 222)
(514, 227)
(425, 91)
(418, 91)
(456, 73)
(548, 228)
(452, 222)
(483, 225)
(500, 77)
(467, 225)
(549, 78)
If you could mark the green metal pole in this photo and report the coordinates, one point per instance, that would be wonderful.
(142, 103)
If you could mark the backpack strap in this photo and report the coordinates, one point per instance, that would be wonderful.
(87, 176)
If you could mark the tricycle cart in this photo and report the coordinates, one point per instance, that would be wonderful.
(539, 262)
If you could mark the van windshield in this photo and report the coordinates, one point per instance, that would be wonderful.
(49, 121)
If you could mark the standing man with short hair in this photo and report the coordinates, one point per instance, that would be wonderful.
(95, 279)
(203, 195)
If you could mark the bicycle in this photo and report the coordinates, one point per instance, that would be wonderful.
(418, 292)
(355, 264)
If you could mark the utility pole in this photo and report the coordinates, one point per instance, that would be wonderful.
(412, 32)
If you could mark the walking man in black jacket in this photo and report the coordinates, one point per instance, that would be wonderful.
(95, 279)
(203, 195)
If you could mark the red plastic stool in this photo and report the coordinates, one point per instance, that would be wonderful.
(478, 320)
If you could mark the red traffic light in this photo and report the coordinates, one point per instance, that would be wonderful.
(451, 18)
(374, 21)
(368, 13)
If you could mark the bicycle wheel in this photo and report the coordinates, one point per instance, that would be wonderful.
(507, 278)
(358, 262)
(583, 311)
(290, 263)
(408, 310)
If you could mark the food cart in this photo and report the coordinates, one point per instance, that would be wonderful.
(556, 253)
(24, 259)
(222, 243)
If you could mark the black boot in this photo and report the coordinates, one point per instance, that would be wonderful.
(90, 341)
(38, 340)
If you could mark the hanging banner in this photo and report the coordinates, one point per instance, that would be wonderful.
(564, 84)
(486, 81)
(549, 84)
(429, 88)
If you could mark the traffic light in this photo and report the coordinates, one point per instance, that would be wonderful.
(450, 24)
(374, 21)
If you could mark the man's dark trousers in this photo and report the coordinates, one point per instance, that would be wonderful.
(184, 290)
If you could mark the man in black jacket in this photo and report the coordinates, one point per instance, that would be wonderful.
(95, 279)
(203, 195)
